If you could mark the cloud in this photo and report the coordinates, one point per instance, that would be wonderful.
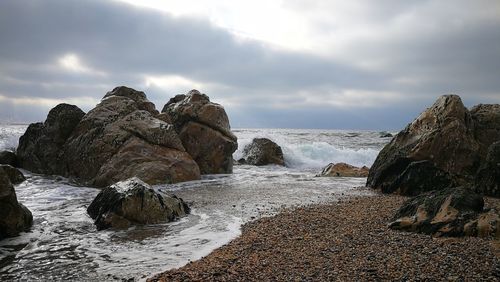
(298, 58)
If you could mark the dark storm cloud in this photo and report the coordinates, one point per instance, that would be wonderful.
(120, 45)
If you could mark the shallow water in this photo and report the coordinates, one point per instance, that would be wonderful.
(65, 245)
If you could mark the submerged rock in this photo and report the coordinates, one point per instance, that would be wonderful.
(262, 151)
(449, 212)
(204, 130)
(14, 217)
(384, 134)
(448, 136)
(488, 176)
(134, 202)
(8, 158)
(343, 170)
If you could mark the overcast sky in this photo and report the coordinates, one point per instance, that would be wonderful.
(294, 64)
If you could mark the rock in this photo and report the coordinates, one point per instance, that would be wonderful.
(487, 224)
(443, 134)
(384, 134)
(343, 170)
(8, 158)
(488, 176)
(41, 146)
(14, 217)
(486, 125)
(263, 151)
(15, 176)
(419, 177)
(447, 212)
(204, 130)
(134, 202)
(120, 138)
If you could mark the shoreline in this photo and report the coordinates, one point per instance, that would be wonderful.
(347, 240)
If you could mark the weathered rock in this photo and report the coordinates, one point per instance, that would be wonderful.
(419, 177)
(40, 148)
(486, 125)
(263, 151)
(443, 134)
(8, 158)
(444, 212)
(15, 176)
(487, 224)
(344, 170)
(120, 138)
(488, 176)
(204, 130)
(14, 217)
(134, 202)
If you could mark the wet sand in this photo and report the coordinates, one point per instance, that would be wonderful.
(348, 241)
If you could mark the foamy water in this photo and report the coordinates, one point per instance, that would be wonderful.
(65, 245)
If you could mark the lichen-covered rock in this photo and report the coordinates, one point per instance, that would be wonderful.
(262, 151)
(134, 202)
(419, 177)
(444, 212)
(444, 135)
(40, 148)
(15, 176)
(8, 158)
(343, 170)
(488, 176)
(204, 130)
(14, 217)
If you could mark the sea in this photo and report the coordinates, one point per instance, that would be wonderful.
(64, 244)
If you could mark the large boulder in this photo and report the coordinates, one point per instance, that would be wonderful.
(134, 202)
(14, 217)
(15, 176)
(488, 176)
(40, 148)
(449, 212)
(204, 130)
(120, 138)
(445, 135)
(486, 125)
(262, 151)
(343, 170)
(8, 158)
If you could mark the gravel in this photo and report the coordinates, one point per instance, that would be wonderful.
(347, 241)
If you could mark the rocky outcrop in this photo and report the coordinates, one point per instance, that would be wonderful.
(204, 130)
(343, 170)
(14, 175)
(120, 138)
(40, 148)
(447, 135)
(134, 202)
(262, 151)
(8, 158)
(449, 212)
(487, 179)
(14, 217)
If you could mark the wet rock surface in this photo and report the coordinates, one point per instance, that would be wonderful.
(349, 241)
(14, 217)
(134, 202)
(8, 158)
(488, 176)
(262, 151)
(343, 170)
(204, 130)
(448, 136)
(15, 176)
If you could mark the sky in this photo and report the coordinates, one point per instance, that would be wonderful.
(332, 64)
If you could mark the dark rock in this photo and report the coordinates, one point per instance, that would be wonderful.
(204, 130)
(442, 212)
(488, 176)
(419, 177)
(385, 135)
(15, 176)
(40, 147)
(263, 151)
(134, 202)
(8, 158)
(14, 217)
(343, 170)
(443, 134)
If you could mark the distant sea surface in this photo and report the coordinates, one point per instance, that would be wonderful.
(65, 245)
